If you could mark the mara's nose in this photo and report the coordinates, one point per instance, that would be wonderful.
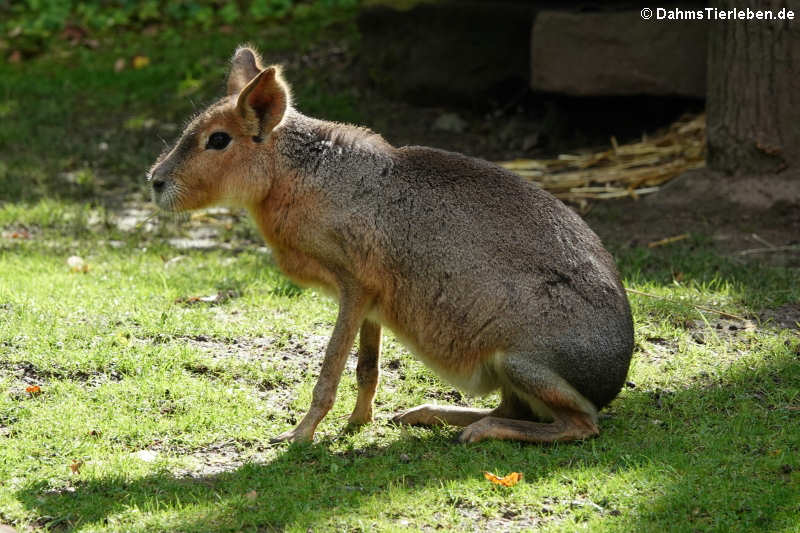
(158, 185)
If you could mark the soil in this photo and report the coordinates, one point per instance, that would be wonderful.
(751, 217)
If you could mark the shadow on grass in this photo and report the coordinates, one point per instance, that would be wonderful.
(715, 455)
(697, 265)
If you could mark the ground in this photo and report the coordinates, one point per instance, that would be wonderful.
(139, 389)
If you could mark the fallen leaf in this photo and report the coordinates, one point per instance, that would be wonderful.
(15, 57)
(33, 390)
(119, 64)
(140, 62)
(508, 481)
(75, 466)
(20, 234)
(252, 495)
(73, 34)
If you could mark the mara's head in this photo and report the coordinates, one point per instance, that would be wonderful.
(223, 155)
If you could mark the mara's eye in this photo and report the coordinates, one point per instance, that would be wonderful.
(218, 140)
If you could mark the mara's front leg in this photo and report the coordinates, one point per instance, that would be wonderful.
(367, 372)
(353, 304)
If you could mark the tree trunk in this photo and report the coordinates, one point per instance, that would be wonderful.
(754, 90)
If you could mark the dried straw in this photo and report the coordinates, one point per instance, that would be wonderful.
(627, 170)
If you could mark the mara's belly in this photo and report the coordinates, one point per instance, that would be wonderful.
(472, 371)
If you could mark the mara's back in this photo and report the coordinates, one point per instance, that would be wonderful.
(480, 258)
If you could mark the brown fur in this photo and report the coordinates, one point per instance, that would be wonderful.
(488, 279)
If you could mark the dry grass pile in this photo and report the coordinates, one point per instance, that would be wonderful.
(627, 170)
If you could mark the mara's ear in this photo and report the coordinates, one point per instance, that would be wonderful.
(245, 65)
(262, 103)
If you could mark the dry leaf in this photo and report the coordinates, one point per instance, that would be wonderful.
(140, 62)
(508, 481)
(119, 64)
(252, 495)
(73, 34)
(33, 390)
(75, 466)
(21, 234)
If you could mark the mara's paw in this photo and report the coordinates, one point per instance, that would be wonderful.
(422, 415)
(354, 426)
(360, 418)
(477, 431)
(293, 435)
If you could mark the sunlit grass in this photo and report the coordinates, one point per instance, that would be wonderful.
(702, 437)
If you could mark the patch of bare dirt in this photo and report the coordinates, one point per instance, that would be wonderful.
(26, 374)
(526, 517)
(784, 317)
(204, 461)
(293, 355)
(217, 458)
(721, 328)
(748, 217)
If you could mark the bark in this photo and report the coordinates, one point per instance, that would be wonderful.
(753, 98)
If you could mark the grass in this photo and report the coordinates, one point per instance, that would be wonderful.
(165, 407)
(99, 128)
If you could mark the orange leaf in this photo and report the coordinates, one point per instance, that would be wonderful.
(75, 466)
(140, 62)
(508, 481)
(33, 389)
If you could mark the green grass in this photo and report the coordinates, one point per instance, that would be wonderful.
(76, 128)
(168, 406)
(700, 440)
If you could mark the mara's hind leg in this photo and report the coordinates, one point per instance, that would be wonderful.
(437, 415)
(573, 416)
(367, 372)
